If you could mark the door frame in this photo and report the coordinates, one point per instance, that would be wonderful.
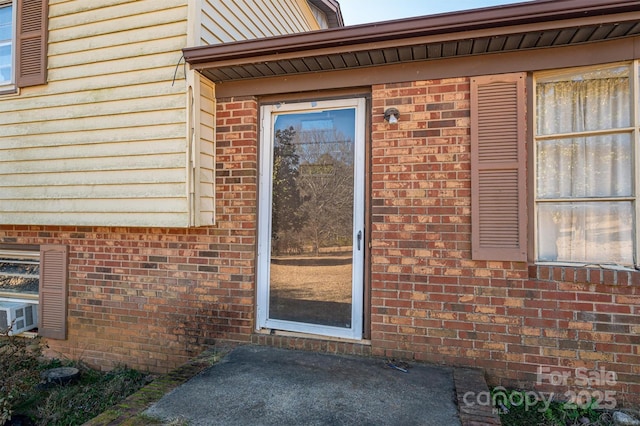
(264, 218)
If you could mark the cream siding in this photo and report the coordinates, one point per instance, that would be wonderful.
(233, 20)
(103, 143)
(120, 136)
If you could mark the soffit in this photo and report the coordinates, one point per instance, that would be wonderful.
(520, 27)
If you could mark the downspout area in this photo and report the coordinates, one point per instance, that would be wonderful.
(191, 152)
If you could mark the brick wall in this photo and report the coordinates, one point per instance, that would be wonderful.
(432, 303)
(153, 297)
(148, 298)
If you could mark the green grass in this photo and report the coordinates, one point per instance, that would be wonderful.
(78, 402)
(519, 408)
(22, 393)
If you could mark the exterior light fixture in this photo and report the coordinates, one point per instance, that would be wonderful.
(392, 115)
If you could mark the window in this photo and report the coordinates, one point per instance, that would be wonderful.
(320, 16)
(19, 285)
(585, 138)
(19, 273)
(6, 43)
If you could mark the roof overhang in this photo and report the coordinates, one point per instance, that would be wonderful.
(517, 27)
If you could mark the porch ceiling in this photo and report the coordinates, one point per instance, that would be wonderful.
(532, 25)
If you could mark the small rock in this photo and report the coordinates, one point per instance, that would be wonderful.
(623, 419)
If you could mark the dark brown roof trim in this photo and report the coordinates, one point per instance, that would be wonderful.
(332, 9)
(493, 18)
(619, 50)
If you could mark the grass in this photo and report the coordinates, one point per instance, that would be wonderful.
(24, 396)
(519, 408)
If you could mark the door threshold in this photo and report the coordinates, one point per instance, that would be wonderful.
(295, 334)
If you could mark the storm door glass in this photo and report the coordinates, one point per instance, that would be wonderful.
(315, 239)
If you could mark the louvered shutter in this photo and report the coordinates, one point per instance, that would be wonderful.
(53, 292)
(498, 168)
(31, 46)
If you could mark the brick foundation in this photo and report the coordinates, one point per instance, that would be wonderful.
(154, 297)
(150, 298)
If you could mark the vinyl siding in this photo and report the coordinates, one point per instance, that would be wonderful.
(233, 20)
(104, 142)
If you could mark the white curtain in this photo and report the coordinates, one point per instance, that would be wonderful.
(591, 167)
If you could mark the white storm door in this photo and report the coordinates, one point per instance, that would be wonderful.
(311, 218)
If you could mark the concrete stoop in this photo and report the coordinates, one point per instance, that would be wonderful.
(135, 410)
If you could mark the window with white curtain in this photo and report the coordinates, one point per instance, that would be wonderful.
(585, 138)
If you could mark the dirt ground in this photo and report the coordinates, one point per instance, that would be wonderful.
(315, 294)
(321, 283)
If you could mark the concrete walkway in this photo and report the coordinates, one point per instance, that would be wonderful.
(269, 386)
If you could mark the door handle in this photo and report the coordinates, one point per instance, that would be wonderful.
(359, 239)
